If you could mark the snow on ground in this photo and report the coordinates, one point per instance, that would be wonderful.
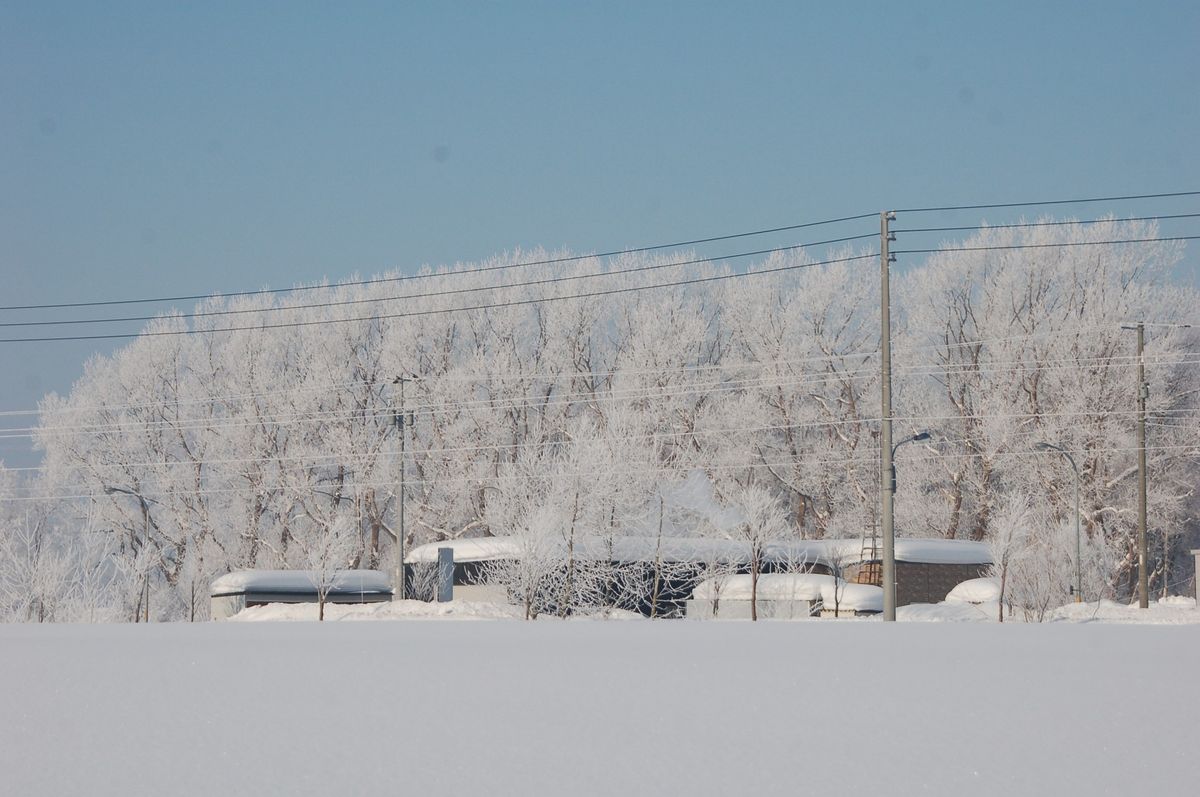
(1168, 611)
(397, 610)
(593, 708)
(951, 612)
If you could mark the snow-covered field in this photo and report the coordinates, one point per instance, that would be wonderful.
(552, 708)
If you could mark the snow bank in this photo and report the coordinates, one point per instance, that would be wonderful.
(392, 610)
(771, 586)
(594, 708)
(1169, 611)
(945, 613)
(298, 581)
(977, 590)
(406, 610)
(1172, 612)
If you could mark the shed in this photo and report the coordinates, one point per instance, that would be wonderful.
(926, 569)
(235, 591)
(780, 595)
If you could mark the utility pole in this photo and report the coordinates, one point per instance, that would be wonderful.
(401, 428)
(1142, 394)
(886, 487)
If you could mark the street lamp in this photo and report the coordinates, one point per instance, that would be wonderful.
(888, 563)
(1046, 447)
(145, 540)
(918, 437)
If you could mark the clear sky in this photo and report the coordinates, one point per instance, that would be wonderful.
(150, 148)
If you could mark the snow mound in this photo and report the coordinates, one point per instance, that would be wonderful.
(977, 590)
(393, 610)
(852, 597)
(943, 613)
(1182, 612)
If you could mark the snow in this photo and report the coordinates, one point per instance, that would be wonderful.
(405, 610)
(298, 581)
(852, 597)
(976, 590)
(943, 552)
(474, 549)
(594, 708)
(956, 612)
(392, 610)
(1170, 611)
(771, 586)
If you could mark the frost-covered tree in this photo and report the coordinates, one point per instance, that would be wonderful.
(203, 453)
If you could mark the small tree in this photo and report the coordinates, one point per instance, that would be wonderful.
(534, 575)
(1012, 528)
(763, 522)
(836, 559)
(326, 552)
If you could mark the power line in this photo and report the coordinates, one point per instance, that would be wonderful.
(441, 311)
(441, 408)
(339, 458)
(310, 461)
(1045, 246)
(595, 397)
(404, 278)
(573, 375)
(674, 469)
(590, 294)
(433, 294)
(1050, 202)
(601, 396)
(970, 227)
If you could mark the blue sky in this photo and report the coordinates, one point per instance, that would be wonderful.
(151, 148)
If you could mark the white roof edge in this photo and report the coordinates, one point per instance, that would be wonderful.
(241, 581)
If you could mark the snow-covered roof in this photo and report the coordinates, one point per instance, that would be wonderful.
(942, 552)
(474, 549)
(283, 581)
(853, 597)
(771, 586)
(977, 590)
(702, 549)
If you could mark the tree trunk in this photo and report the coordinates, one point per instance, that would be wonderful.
(754, 564)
